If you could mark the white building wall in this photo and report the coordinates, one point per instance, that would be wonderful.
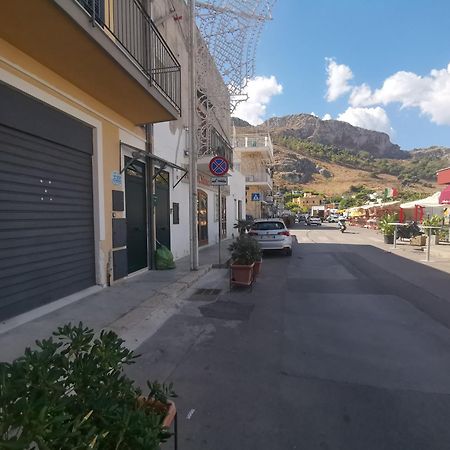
(170, 143)
(237, 192)
(171, 140)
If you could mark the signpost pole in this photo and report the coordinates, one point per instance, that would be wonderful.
(220, 225)
(219, 166)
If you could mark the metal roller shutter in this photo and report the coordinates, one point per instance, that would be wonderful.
(46, 207)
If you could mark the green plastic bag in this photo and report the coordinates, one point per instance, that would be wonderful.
(164, 258)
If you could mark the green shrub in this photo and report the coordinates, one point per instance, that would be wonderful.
(433, 221)
(245, 250)
(71, 393)
(384, 224)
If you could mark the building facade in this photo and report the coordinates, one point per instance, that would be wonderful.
(308, 200)
(79, 91)
(213, 133)
(253, 157)
(94, 145)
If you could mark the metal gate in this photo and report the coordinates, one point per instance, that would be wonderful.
(46, 206)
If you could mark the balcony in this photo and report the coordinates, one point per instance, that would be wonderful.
(111, 51)
(217, 146)
(254, 144)
(259, 179)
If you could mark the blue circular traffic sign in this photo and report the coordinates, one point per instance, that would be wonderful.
(218, 166)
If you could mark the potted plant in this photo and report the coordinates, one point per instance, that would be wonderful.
(244, 252)
(386, 228)
(434, 221)
(243, 225)
(72, 393)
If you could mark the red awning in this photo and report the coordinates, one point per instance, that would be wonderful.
(444, 198)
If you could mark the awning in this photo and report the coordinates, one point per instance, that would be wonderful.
(431, 201)
(387, 204)
(444, 198)
(138, 153)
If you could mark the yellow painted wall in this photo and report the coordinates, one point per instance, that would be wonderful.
(253, 208)
(20, 71)
(307, 202)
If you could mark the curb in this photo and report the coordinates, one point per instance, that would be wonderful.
(434, 253)
(142, 322)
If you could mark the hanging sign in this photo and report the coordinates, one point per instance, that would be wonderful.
(219, 166)
(219, 181)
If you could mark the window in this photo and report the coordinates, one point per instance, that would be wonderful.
(239, 211)
(265, 226)
(176, 213)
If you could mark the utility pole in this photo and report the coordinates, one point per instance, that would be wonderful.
(193, 216)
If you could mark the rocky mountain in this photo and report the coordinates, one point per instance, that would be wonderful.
(434, 151)
(336, 133)
(239, 122)
(329, 156)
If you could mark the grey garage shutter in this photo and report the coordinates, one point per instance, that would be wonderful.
(46, 207)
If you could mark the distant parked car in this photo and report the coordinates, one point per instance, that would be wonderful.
(314, 221)
(272, 234)
(332, 218)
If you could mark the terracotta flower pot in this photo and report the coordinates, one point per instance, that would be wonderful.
(168, 410)
(170, 416)
(242, 274)
(257, 268)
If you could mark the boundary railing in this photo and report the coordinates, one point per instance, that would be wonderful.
(127, 23)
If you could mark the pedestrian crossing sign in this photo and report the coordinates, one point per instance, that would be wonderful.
(256, 196)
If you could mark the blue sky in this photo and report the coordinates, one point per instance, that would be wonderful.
(377, 57)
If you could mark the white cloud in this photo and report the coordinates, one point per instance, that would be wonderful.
(327, 117)
(312, 113)
(338, 77)
(360, 95)
(370, 118)
(260, 91)
(431, 94)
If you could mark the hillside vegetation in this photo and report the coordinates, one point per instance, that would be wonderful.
(342, 178)
(419, 167)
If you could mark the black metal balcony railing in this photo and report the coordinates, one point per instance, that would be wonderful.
(128, 24)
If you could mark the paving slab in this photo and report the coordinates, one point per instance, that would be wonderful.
(134, 307)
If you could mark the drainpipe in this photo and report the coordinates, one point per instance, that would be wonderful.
(151, 221)
(193, 148)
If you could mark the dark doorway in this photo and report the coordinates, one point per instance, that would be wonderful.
(135, 197)
(162, 210)
(202, 211)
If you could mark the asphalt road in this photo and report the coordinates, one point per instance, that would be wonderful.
(342, 346)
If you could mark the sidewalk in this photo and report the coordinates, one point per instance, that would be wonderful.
(134, 307)
(438, 253)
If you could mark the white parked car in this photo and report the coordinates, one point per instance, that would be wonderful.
(314, 221)
(272, 234)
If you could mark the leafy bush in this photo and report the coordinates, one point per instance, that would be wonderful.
(71, 393)
(384, 224)
(243, 225)
(433, 221)
(245, 250)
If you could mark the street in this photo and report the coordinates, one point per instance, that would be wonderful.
(342, 346)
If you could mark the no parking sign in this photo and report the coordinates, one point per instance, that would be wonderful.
(219, 166)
